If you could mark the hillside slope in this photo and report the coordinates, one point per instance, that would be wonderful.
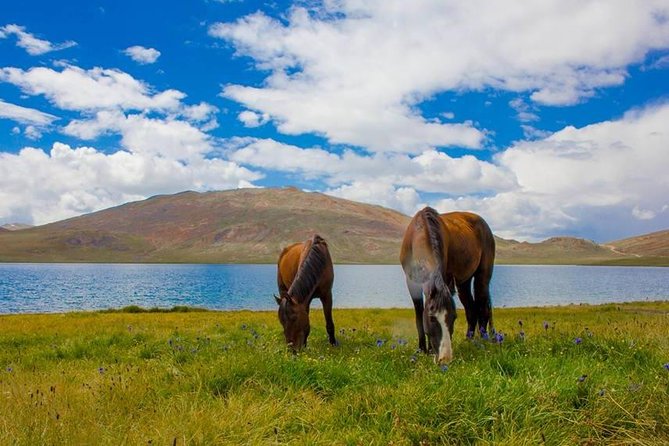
(253, 225)
(238, 226)
(653, 244)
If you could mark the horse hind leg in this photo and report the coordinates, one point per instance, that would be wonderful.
(416, 293)
(467, 300)
(326, 300)
(482, 302)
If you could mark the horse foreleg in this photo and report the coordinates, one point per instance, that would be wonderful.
(483, 304)
(416, 292)
(326, 299)
(465, 295)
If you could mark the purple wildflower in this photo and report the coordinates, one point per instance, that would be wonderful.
(10, 370)
(444, 367)
(582, 378)
(499, 337)
(578, 341)
(522, 335)
(101, 370)
(401, 341)
(393, 346)
(379, 342)
(666, 366)
(470, 334)
(545, 325)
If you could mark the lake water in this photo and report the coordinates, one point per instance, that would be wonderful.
(29, 288)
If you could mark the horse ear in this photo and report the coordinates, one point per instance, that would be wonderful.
(277, 299)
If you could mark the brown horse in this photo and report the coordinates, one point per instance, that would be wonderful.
(304, 271)
(439, 254)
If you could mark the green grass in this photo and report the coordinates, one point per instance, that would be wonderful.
(199, 377)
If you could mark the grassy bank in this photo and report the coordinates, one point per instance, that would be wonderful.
(594, 375)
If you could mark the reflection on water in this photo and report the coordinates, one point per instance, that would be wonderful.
(64, 287)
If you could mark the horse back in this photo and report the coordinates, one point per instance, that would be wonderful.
(470, 244)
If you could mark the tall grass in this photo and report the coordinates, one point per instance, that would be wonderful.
(576, 375)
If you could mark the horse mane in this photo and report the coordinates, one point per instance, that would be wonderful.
(310, 270)
(432, 221)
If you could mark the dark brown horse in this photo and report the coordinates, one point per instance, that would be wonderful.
(304, 271)
(439, 254)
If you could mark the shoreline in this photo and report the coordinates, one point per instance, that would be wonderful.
(182, 309)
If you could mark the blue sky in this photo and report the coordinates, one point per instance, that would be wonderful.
(547, 120)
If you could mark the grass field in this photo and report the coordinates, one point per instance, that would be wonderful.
(576, 375)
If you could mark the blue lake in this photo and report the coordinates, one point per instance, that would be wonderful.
(30, 288)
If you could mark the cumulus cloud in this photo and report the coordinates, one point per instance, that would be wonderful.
(355, 72)
(142, 55)
(164, 147)
(404, 199)
(25, 115)
(252, 119)
(74, 88)
(431, 171)
(32, 132)
(39, 187)
(33, 45)
(582, 179)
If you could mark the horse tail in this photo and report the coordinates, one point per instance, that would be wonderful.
(310, 270)
(436, 281)
(432, 223)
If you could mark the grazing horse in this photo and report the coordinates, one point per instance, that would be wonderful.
(439, 254)
(304, 271)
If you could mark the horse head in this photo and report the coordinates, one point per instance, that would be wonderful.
(439, 318)
(294, 317)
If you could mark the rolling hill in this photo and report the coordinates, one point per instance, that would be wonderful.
(653, 244)
(253, 225)
(238, 226)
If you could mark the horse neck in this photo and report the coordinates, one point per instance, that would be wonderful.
(312, 265)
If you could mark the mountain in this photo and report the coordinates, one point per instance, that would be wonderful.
(653, 244)
(238, 226)
(253, 225)
(14, 227)
(555, 250)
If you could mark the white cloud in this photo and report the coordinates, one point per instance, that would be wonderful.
(25, 115)
(33, 45)
(524, 111)
(38, 187)
(355, 72)
(87, 90)
(403, 199)
(142, 55)
(583, 179)
(643, 214)
(32, 132)
(431, 171)
(171, 138)
(575, 181)
(252, 119)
